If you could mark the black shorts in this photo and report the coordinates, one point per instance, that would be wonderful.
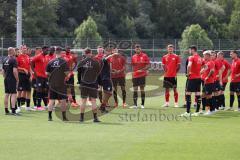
(24, 82)
(217, 86)
(194, 85)
(53, 95)
(89, 92)
(223, 87)
(34, 83)
(119, 81)
(10, 86)
(235, 87)
(139, 81)
(170, 82)
(209, 88)
(42, 83)
(107, 85)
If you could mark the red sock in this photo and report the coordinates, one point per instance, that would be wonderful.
(176, 96)
(167, 95)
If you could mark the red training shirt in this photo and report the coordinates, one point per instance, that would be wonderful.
(235, 70)
(171, 62)
(196, 67)
(118, 63)
(40, 65)
(209, 65)
(225, 72)
(23, 61)
(140, 61)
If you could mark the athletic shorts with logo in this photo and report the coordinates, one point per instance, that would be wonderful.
(24, 82)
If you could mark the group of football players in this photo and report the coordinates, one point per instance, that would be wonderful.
(207, 78)
(49, 77)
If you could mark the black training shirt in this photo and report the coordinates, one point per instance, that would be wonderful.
(8, 64)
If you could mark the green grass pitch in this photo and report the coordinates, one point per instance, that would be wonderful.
(32, 137)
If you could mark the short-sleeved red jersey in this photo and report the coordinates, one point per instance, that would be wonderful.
(40, 65)
(209, 65)
(218, 66)
(118, 63)
(50, 57)
(225, 72)
(140, 61)
(197, 63)
(70, 59)
(235, 68)
(23, 61)
(171, 62)
(99, 56)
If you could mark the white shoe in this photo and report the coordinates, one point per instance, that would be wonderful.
(18, 110)
(142, 106)
(238, 110)
(46, 107)
(30, 109)
(208, 113)
(185, 114)
(176, 105)
(221, 108)
(133, 107)
(229, 109)
(216, 110)
(201, 112)
(196, 114)
(166, 104)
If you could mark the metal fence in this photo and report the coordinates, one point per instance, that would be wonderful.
(153, 47)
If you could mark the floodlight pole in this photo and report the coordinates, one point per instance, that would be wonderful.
(19, 23)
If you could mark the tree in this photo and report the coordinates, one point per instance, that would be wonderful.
(40, 18)
(88, 30)
(234, 25)
(195, 35)
(7, 18)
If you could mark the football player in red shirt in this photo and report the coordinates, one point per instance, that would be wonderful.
(38, 65)
(171, 65)
(225, 75)
(235, 79)
(219, 68)
(140, 65)
(208, 78)
(24, 86)
(194, 80)
(71, 60)
(38, 51)
(51, 54)
(118, 65)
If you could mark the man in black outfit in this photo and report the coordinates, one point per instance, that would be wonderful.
(10, 74)
(88, 71)
(57, 71)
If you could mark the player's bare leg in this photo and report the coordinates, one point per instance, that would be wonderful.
(50, 109)
(94, 110)
(167, 96)
(175, 97)
(82, 109)
(106, 97)
(63, 103)
(124, 95)
(6, 98)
